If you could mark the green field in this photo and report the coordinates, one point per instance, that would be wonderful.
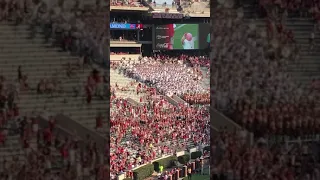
(206, 175)
(180, 30)
(198, 177)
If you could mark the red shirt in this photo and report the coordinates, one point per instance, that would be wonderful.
(64, 152)
(48, 135)
(170, 30)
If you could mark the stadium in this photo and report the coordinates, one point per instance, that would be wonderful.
(160, 82)
(250, 67)
(53, 86)
(265, 90)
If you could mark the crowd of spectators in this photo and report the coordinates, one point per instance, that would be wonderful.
(53, 155)
(164, 132)
(300, 7)
(169, 75)
(96, 86)
(279, 11)
(236, 160)
(15, 10)
(130, 3)
(47, 152)
(190, 6)
(197, 98)
(251, 83)
(79, 28)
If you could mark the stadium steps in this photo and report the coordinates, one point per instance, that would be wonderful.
(308, 67)
(40, 60)
(122, 81)
(13, 151)
(13, 148)
(309, 64)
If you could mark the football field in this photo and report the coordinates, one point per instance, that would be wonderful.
(205, 176)
(198, 177)
(180, 30)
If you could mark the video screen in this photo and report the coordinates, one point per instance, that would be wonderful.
(182, 36)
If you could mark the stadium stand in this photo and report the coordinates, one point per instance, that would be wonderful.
(138, 106)
(264, 70)
(181, 6)
(278, 64)
(46, 66)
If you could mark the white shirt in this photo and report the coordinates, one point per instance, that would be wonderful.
(72, 155)
(312, 36)
(188, 44)
(79, 169)
(48, 164)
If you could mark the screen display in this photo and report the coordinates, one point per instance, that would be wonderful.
(125, 26)
(182, 36)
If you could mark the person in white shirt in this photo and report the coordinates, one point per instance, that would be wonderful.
(72, 156)
(79, 169)
(188, 44)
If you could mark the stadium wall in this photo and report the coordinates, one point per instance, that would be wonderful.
(172, 101)
(82, 131)
(220, 121)
(44, 123)
(180, 153)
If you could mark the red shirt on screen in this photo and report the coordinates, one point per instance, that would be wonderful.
(170, 30)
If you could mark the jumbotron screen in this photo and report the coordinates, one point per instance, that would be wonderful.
(181, 36)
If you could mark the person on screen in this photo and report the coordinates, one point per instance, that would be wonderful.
(187, 41)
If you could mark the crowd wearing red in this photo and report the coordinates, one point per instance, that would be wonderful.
(252, 87)
(237, 161)
(46, 152)
(129, 3)
(259, 94)
(140, 134)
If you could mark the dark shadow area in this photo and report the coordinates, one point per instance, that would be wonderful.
(265, 89)
(54, 89)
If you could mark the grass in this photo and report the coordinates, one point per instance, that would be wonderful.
(198, 177)
(180, 30)
(206, 175)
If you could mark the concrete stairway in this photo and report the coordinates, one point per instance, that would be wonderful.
(12, 149)
(122, 81)
(16, 49)
(308, 67)
(38, 61)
